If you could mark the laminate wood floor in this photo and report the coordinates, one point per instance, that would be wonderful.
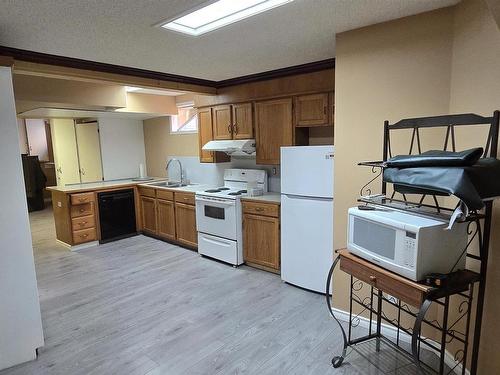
(146, 307)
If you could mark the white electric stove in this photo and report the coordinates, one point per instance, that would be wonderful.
(219, 217)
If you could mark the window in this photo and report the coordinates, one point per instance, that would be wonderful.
(219, 14)
(186, 120)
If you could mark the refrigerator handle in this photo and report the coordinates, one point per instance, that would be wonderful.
(290, 196)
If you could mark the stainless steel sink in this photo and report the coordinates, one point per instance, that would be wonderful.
(169, 184)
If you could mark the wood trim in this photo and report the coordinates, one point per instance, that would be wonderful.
(6, 60)
(44, 63)
(71, 62)
(278, 73)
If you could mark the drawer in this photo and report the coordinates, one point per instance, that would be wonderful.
(84, 235)
(83, 222)
(147, 191)
(187, 198)
(386, 281)
(82, 210)
(82, 198)
(165, 195)
(264, 209)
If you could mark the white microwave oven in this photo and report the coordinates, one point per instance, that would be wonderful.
(409, 245)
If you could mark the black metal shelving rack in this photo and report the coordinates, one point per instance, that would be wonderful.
(458, 293)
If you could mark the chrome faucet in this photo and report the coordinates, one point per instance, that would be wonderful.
(180, 169)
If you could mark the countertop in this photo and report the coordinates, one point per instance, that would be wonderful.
(193, 188)
(267, 197)
(99, 185)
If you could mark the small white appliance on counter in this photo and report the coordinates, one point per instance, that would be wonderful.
(219, 217)
(407, 244)
(306, 215)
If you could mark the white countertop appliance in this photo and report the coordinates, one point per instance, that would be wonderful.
(306, 215)
(410, 245)
(219, 217)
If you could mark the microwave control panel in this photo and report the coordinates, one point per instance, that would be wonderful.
(409, 253)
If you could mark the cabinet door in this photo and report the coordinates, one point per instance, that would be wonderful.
(205, 133)
(261, 240)
(312, 110)
(166, 219)
(65, 151)
(222, 123)
(274, 128)
(242, 121)
(185, 224)
(148, 214)
(89, 151)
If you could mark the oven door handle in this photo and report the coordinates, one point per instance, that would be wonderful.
(215, 201)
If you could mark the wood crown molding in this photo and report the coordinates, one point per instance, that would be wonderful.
(6, 60)
(11, 54)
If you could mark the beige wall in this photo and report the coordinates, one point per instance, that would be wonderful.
(475, 87)
(433, 63)
(160, 144)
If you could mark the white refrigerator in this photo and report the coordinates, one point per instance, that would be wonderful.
(307, 215)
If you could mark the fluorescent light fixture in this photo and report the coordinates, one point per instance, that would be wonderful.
(132, 88)
(219, 14)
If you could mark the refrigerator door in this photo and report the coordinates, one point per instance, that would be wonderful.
(307, 171)
(306, 241)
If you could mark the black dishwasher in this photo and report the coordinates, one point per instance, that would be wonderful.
(116, 215)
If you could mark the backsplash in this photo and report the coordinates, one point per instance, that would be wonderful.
(213, 173)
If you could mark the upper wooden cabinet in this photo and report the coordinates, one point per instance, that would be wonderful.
(242, 121)
(205, 135)
(312, 110)
(222, 122)
(273, 128)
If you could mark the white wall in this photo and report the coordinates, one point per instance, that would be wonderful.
(122, 147)
(20, 320)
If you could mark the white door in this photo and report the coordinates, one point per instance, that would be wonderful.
(65, 151)
(89, 151)
(307, 171)
(306, 241)
(37, 138)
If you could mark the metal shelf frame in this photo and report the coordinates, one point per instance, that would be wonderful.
(376, 303)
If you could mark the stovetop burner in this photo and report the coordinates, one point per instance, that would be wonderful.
(217, 190)
(239, 192)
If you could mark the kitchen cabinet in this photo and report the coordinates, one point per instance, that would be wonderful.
(166, 219)
(242, 121)
(148, 214)
(312, 110)
(185, 224)
(261, 235)
(273, 128)
(205, 135)
(222, 122)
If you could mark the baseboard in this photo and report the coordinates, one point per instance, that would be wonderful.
(78, 247)
(391, 332)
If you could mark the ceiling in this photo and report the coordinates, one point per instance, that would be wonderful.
(121, 33)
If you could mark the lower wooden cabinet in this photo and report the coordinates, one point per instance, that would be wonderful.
(261, 241)
(185, 224)
(148, 214)
(166, 219)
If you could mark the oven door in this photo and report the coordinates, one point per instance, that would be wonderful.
(216, 216)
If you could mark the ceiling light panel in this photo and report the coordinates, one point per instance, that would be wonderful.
(219, 14)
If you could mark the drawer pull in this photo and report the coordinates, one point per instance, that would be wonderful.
(373, 279)
(186, 198)
(259, 209)
(82, 209)
(84, 235)
(83, 223)
(82, 199)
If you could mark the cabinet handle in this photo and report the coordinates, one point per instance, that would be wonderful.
(82, 209)
(229, 128)
(82, 223)
(259, 209)
(82, 199)
(373, 279)
(84, 235)
(235, 129)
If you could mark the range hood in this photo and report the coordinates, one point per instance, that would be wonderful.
(236, 147)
